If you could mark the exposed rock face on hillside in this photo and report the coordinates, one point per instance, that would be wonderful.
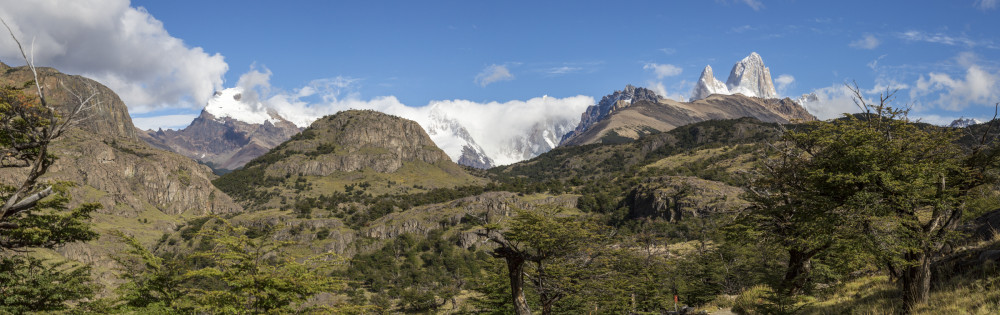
(355, 140)
(489, 206)
(144, 191)
(748, 77)
(644, 118)
(677, 197)
(608, 105)
(109, 115)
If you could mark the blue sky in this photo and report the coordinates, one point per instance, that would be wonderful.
(943, 56)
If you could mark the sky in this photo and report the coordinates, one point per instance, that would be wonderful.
(167, 58)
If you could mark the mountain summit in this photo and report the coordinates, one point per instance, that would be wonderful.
(610, 104)
(230, 132)
(748, 77)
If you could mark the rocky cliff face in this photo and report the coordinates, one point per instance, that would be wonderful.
(751, 78)
(608, 105)
(748, 77)
(489, 206)
(108, 115)
(677, 197)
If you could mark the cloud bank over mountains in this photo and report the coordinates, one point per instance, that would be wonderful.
(495, 126)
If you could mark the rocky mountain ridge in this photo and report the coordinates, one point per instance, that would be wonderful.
(226, 135)
(642, 118)
(608, 105)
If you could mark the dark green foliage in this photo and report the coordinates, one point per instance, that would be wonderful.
(28, 284)
(424, 273)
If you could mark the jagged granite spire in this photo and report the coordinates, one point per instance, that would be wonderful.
(751, 78)
(708, 85)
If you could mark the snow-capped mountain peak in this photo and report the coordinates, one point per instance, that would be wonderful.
(708, 85)
(748, 77)
(964, 122)
(231, 103)
(751, 78)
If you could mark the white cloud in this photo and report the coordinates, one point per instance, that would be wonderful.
(562, 70)
(493, 125)
(945, 39)
(178, 121)
(122, 47)
(756, 5)
(978, 87)
(987, 4)
(832, 102)
(663, 70)
(784, 81)
(867, 42)
(661, 90)
(874, 64)
(493, 73)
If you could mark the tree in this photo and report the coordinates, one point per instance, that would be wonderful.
(538, 237)
(900, 185)
(257, 275)
(32, 214)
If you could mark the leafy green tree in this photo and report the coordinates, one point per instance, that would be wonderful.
(875, 180)
(539, 237)
(257, 275)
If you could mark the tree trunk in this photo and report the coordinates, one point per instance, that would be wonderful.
(916, 279)
(799, 265)
(515, 270)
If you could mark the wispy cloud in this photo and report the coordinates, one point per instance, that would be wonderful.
(784, 81)
(741, 29)
(986, 4)
(945, 39)
(556, 71)
(668, 51)
(493, 73)
(663, 70)
(756, 5)
(867, 42)
(874, 64)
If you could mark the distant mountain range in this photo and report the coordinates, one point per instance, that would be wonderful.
(233, 129)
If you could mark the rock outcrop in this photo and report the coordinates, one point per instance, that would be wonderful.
(490, 206)
(108, 115)
(676, 197)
